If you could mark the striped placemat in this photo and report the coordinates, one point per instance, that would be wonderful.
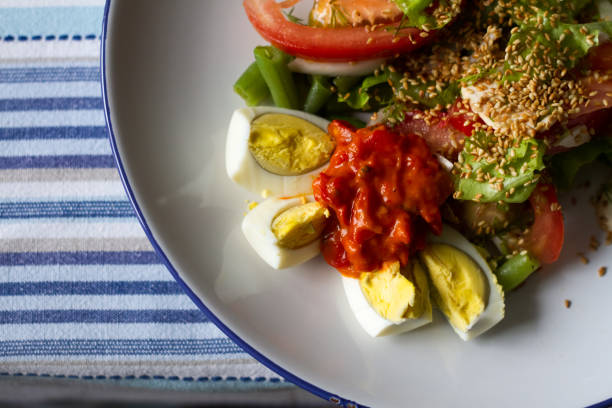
(82, 294)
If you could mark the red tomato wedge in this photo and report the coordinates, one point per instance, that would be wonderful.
(545, 238)
(329, 44)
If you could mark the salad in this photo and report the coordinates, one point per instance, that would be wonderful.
(419, 146)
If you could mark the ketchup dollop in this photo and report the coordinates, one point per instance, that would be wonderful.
(385, 190)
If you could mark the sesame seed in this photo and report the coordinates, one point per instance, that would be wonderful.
(568, 303)
(594, 243)
(602, 271)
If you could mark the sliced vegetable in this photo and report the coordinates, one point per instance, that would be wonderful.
(272, 64)
(515, 270)
(251, 86)
(331, 44)
(545, 237)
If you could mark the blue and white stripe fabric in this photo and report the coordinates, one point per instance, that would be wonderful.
(81, 291)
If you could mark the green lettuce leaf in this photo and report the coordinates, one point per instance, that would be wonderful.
(537, 43)
(522, 11)
(447, 96)
(419, 13)
(519, 175)
(564, 166)
(376, 89)
(414, 10)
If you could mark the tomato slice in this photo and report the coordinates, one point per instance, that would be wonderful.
(545, 238)
(329, 44)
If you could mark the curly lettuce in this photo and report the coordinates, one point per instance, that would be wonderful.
(565, 44)
(378, 90)
(419, 13)
(414, 10)
(521, 12)
(516, 179)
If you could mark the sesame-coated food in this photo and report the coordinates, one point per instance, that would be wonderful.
(455, 123)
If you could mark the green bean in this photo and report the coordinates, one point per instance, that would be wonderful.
(515, 270)
(318, 94)
(345, 83)
(251, 86)
(272, 64)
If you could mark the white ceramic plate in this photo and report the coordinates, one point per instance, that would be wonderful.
(168, 71)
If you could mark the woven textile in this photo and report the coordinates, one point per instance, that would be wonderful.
(81, 291)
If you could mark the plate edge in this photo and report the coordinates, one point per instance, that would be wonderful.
(160, 253)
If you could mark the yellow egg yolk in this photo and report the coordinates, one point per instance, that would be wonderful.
(287, 145)
(299, 225)
(460, 287)
(397, 294)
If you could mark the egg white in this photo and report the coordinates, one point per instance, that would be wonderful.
(494, 311)
(244, 170)
(257, 228)
(373, 323)
(348, 68)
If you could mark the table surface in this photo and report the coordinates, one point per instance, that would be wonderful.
(83, 295)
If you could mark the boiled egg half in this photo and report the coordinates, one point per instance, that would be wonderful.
(391, 300)
(285, 231)
(463, 286)
(276, 152)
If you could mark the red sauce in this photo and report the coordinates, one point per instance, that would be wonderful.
(384, 190)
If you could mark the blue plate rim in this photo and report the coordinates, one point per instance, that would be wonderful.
(198, 302)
